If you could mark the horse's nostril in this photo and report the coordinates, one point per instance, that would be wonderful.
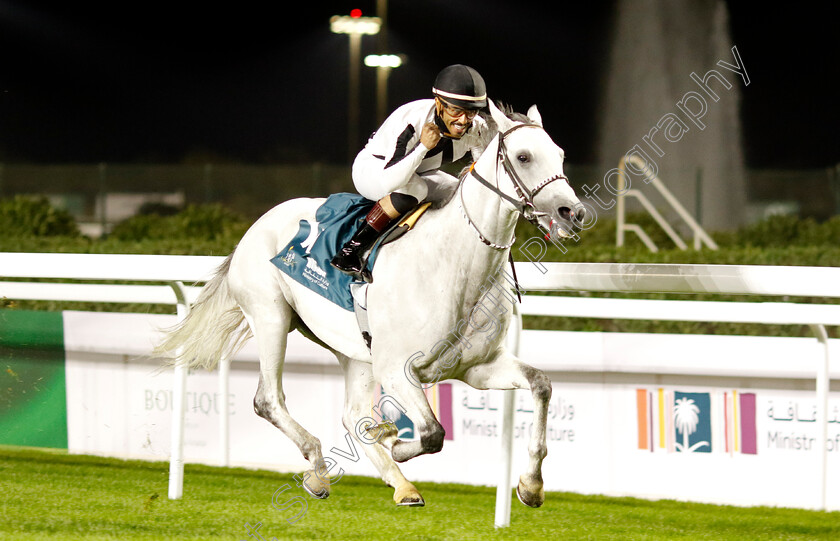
(566, 213)
(580, 214)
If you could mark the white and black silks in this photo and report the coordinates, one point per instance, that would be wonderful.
(394, 160)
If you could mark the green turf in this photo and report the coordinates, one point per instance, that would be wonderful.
(54, 495)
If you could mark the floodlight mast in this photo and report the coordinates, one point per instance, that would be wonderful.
(355, 26)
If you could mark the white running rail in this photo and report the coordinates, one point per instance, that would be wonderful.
(174, 271)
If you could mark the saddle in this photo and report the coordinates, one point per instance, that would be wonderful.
(306, 258)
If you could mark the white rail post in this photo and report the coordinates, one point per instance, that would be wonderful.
(179, 408)
(503, 489)
(823, 382)
(620, 211)
(224, 422)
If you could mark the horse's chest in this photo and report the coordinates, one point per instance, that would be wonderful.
(475, 334)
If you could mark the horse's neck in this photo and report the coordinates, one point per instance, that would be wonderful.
(490, 214)
(494, 217)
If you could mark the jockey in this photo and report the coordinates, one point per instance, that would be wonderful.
(399, 166)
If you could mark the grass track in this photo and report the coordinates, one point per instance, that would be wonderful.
(54, 495)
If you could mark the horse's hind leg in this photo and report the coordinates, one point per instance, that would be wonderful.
(507, 372)
(412, 400)
(271, 327)
(358, 390)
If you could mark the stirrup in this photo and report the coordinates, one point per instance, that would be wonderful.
(360, 276)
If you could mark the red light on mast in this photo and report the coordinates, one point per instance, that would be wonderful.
(355, 13)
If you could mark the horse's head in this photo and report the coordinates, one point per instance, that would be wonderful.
(533, 166)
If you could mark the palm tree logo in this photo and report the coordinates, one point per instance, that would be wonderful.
(686, 417)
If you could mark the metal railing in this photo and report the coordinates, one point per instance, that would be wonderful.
(699, 235)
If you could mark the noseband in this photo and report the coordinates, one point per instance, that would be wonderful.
(524, 204)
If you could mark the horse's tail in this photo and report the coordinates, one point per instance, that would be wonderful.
(215, 327)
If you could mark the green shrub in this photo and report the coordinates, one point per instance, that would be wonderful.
(782, 231)
(34, 216)
(207, 222)
(777, 240)
(603, 233)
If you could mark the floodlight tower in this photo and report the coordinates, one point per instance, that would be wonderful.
(354, 26)
(383, 63)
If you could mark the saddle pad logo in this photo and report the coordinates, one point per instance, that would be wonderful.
(288, 259)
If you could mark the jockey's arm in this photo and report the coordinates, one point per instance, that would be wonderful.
(395, 151)
(399, 168)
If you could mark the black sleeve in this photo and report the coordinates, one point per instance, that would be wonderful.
(402, 145)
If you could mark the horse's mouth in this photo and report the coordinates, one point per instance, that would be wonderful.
(561, 232)
(556, 229)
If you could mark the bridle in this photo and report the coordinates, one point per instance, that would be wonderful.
(524, 204)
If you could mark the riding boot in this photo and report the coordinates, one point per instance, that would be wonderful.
(349, 258)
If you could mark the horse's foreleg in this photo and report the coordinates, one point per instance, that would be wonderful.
(359, 387)
(271, 333)
(412, 400)
(506, 372)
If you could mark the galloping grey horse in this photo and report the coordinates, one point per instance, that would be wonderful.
(426, 288)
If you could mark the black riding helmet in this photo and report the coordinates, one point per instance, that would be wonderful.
(461, 86)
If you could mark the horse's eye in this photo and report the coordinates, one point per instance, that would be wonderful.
(523, 158)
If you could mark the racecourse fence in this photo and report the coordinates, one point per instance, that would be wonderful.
(664, 278)
(101, 195)
(173, 271)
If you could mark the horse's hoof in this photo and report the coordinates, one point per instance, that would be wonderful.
(315, 486)
(384, 433)
(532, 497)
(408, 496)
(412, 502)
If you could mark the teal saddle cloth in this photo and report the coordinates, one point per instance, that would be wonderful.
(307, 261)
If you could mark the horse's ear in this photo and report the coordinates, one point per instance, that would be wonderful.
(534, 115)
(502, 122)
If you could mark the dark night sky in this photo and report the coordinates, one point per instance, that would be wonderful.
(147, 82)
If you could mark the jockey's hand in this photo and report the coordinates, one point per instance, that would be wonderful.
(430, 135)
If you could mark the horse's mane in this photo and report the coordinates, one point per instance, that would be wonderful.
(487, 135)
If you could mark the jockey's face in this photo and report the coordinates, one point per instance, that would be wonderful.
(456, 119)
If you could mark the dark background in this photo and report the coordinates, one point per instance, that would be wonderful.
(150, 82)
